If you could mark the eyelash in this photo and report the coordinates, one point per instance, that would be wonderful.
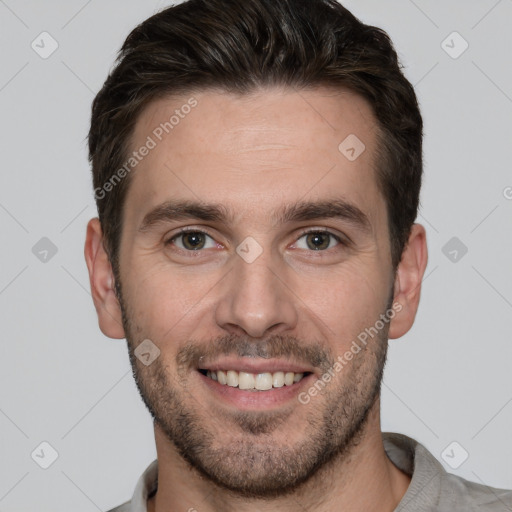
(184, 231)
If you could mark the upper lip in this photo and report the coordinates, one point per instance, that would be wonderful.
(255, 365)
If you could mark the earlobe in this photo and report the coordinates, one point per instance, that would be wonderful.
(102, 282)
(408, 280)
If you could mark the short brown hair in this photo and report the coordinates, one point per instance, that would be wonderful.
(238, 46)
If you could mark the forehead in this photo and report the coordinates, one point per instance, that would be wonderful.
(266, 148)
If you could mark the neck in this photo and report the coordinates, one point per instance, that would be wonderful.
(361, 479)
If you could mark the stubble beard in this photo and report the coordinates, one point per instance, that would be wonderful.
(237, 452)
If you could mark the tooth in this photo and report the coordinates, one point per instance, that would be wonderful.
(278, 380)
(232, 378)
(245, 380)
(209, 373)
(288, 378)
(263, 381)
(221, 377)
(260, 382)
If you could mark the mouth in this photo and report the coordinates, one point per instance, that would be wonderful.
(254, 381)
(254, 384)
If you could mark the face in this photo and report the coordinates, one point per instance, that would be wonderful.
(254, 252)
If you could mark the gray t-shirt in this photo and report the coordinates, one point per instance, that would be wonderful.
(432, 489)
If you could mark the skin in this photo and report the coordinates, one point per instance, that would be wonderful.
(257, 153)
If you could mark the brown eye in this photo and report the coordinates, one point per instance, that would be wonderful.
(318, 240)
(193, 240)
(189, 240)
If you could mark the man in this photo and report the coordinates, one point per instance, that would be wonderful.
(257, 169)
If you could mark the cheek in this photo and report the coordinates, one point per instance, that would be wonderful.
(149, 291)
(350, 300)
(165, 302)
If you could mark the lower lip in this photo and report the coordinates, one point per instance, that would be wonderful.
(254, 400)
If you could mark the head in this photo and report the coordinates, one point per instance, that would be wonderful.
(283, 136)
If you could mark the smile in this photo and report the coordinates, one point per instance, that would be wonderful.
(254, 382)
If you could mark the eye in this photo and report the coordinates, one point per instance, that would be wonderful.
(194, 240)
(191, 240)
(318, 240)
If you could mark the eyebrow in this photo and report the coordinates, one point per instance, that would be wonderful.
(174, 210)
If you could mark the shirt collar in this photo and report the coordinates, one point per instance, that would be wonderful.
(146, 487)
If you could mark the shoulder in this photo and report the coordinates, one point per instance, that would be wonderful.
(433, 488)
(456, 490)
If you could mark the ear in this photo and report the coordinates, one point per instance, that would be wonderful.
(408, 280)
(101, 279)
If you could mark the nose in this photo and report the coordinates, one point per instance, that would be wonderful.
(257, 299)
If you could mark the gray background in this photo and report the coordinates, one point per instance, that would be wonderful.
(63, 382)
